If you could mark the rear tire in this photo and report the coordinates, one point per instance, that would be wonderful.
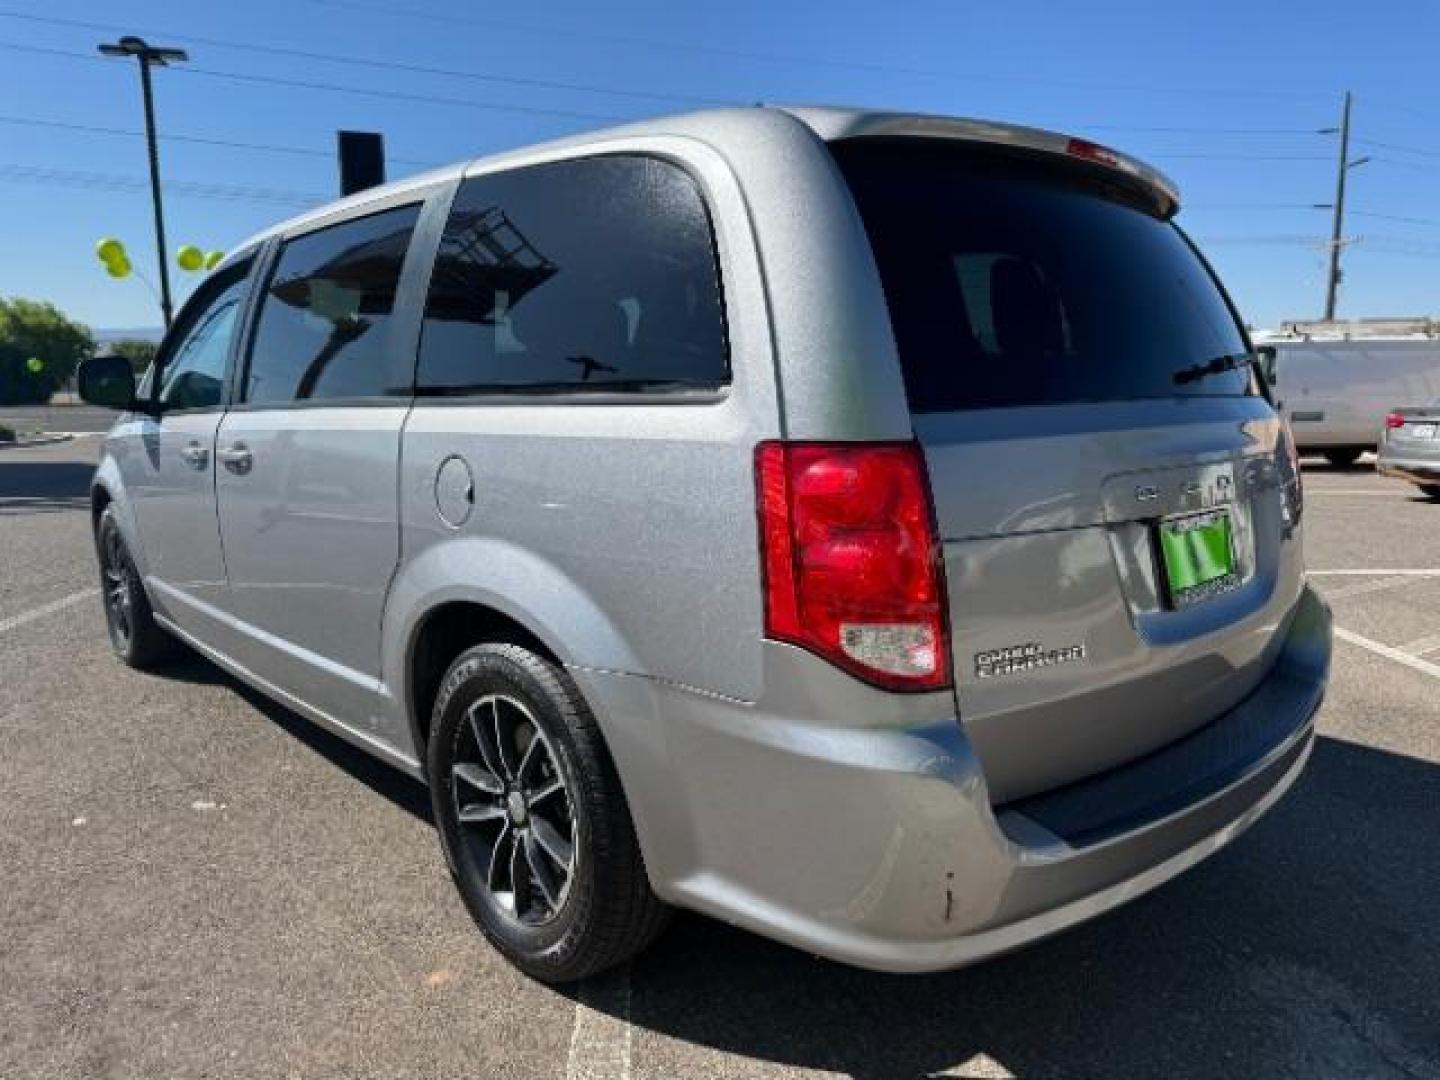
(532, 818)
(1343, 459)
(1430, 490)
(134, 634)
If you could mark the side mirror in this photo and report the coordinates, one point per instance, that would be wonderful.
(107, 381)
(1267, 362)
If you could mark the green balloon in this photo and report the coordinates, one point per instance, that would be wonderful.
(118, 268)
(109, 248)
(212, 259)
(190, 258)
(35, 365)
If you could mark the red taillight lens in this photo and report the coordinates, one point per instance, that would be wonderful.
(1394, 420)
(1295, 486)
(851, 559)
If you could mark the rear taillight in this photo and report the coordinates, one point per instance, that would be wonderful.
(1394, 420)
(1295, 485)
(851, 559)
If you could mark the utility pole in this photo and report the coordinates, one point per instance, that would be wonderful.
(1337, 221)
(150, 56)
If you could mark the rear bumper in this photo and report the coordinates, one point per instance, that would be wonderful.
(877, 845)
(1418, 470)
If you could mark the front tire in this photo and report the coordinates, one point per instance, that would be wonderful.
(1430, 490)
(1343, 459)
(134, 634)
(532, 818)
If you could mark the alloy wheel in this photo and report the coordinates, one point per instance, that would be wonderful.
(515, 809)
(117, 582)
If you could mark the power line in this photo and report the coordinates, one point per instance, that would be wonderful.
(1251, 206)
(591, 36)
(103, 181)
(1167, 155)
(1196, 130)
(301, 84)
(1296, 239)
(398, 95)
(95, 129)
(389, 65)
(1398, 146)
(1415, 165)
(1430, 222)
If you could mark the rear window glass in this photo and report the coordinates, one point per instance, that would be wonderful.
(1016, 282)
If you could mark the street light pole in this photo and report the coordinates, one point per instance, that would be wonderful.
(149, 56)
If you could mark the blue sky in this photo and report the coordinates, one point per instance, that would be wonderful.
(1224, 96)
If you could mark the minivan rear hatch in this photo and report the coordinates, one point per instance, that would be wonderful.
(1115, 495)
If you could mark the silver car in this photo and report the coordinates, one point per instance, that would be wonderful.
(1410, 447)
(867, 529)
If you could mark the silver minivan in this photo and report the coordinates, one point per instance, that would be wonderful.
(868, 529)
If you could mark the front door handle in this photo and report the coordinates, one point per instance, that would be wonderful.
(236, 457)
(196, 455)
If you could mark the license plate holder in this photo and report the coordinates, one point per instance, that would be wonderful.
(1197, 557)
(1420, 431)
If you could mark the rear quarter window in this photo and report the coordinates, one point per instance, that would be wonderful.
(594, 274)
(1017, 281)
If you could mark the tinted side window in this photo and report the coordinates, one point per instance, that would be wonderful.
(194, 358)
(325, 317)
(598, 273)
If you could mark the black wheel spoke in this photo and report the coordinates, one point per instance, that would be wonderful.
(479, 778)
(552, 843)
(504, 733)
(519, 875)
(540, 873)
(480, 813)
(482, 727)
(546, 790)
(500, 859)
(529, 759)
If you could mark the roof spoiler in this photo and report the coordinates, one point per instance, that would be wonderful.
(833, 125)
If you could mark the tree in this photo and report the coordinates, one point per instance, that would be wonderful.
(140, 353)
(37, 330)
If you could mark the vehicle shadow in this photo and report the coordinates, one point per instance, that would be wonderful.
(406, 793)
(1320, 465)
(1307, 949)
(30, 487)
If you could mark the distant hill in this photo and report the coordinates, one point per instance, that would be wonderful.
(128, 333)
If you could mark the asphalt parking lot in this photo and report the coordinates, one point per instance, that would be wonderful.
(198, 883)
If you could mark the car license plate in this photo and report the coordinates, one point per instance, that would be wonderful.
(1420, 431)
(1197, 552)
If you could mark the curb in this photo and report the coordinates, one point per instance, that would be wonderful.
(39, 440)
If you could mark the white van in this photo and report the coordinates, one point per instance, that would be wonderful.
(1336, 385)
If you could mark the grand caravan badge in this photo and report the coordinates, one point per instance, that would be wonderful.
(1016, 659)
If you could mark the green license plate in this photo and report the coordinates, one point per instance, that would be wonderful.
(1198, 556)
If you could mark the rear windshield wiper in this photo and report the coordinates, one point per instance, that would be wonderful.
(1219, 365)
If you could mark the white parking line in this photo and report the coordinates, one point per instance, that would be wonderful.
(1425, 667)
(600, 1040)
(17, 621)
(1423, 645)
(1314, 489)
(1363, 587)
(1382, 571)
